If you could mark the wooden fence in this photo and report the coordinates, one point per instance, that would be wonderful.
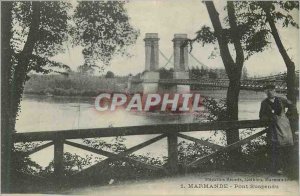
(169, 131)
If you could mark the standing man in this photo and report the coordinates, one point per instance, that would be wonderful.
(279, 135)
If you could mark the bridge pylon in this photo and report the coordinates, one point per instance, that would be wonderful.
(181, 61)
(151, 75)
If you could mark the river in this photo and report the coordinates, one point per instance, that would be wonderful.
(44, 113)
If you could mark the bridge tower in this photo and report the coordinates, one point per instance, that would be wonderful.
(151, 75)
(181, 61)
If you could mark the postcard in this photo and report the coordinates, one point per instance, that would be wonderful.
(150, 97)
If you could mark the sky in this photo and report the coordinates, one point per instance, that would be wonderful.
(168, 17)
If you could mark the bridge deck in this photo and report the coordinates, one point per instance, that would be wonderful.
(249, 84)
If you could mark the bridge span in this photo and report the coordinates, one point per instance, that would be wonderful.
(256, 84)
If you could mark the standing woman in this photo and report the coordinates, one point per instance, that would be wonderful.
(279, 135)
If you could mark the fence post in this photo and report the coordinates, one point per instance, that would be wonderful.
(172, 154)
(58, 160)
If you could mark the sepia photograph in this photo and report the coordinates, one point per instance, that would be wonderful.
(150, 97)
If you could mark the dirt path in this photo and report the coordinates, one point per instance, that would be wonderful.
(227, 183)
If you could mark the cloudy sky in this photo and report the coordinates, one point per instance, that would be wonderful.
(168, 17)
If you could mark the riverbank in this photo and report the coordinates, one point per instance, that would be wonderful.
(74, 84)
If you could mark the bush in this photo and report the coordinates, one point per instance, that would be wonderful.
(253, 156)
(109, 74)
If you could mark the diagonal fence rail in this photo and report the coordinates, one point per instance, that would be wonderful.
(169, 131)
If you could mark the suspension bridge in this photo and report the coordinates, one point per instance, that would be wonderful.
(256, 84)
(181, 61)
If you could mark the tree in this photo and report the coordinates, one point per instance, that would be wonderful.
(86, 69)
(109, 74)
(233, 68)
(33, 32)
(29, 37)
(38, 32)
(6, 64)
(291, 80)
(105, 31)
(245, 28)
(40, 28)
(267, 14)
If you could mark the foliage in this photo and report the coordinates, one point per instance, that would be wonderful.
(85, 69)
(205, 36)
(254, 15)
(189, 151)
(109, 74)
(75, 84)
(22, 162)
(103, 29)
(216, 109)
(165, 73)
(253, 156)
(117, 144)
(53, 32)
(255, 35)
(199, 73)
(194, 72)
(104, 23)
(40, 30)
(73, 163)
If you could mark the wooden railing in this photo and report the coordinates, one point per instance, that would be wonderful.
(170, 131)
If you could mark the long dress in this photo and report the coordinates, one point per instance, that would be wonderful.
(280, 132)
